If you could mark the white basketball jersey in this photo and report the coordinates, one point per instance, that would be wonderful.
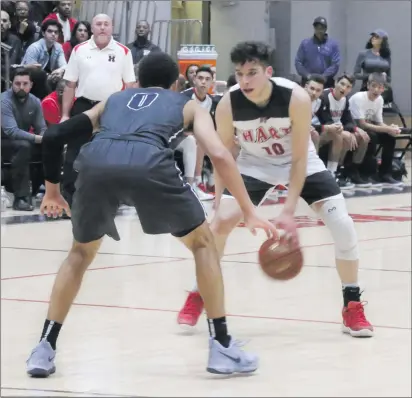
(264, 134)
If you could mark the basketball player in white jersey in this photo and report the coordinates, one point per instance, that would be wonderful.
(272, 117)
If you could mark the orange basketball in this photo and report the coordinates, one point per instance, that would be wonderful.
(279, 260)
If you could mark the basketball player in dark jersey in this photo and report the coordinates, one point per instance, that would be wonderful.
(130, 160)
(272, 118)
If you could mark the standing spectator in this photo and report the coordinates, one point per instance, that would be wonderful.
(81, 32)
(15, 48)
(20, 112)
(367, 111)
(142, 45)
(318, 54)
(63, 16)
(376, 58)
(52, 104)
(97, 68)
(22, 27)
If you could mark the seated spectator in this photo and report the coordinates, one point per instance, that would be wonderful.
(52, 104)
(21, 112)
(367, 110)
(63, 16)
(203, 82)
(329, 132)
(334, 109)
(15, 48)
(376, 58)
(22, 27)
(81, 32)
(142, 45)
(46, 52)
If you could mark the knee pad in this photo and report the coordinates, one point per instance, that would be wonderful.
(335, 216)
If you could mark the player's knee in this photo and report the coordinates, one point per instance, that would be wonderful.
(335, 216)
(199, 238)
(81, 256)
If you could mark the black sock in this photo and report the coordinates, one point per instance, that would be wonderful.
(50, 332)
(351, 293)
(218, 330)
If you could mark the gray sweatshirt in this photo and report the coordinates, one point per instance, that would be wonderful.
(18, 117)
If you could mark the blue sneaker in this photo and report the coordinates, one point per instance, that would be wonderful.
(230, 360)
(41, 360)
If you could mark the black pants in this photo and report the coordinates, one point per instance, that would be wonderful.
(20, 153)
(369, 165)
(73, 149)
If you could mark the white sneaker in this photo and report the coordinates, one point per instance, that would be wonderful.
(202, 195)
(230, 360)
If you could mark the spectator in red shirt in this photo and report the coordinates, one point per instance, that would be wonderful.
(81, 32)
(63, 15)
(52, 104)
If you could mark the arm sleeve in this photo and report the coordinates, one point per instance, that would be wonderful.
(54, 139)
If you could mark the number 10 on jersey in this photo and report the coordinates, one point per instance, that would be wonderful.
(275, 150)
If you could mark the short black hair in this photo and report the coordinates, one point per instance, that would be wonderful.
(377, 77)
(21, 72)
(249, 51)
(206, 69)
(314, 77)
(231, 81)
(157, 69)
(51, 22)
(350, 78)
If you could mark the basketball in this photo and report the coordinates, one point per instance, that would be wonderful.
(278, 260)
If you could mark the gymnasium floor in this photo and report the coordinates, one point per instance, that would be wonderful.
(121, 337)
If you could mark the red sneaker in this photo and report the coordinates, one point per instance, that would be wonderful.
(191, 311)
(355, 322)
(202, 187)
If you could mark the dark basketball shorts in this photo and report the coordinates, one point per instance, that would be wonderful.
(113, 172)
(317, 187)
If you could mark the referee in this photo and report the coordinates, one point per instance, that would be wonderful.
(97, 68)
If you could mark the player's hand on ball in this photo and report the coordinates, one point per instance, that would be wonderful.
(286, 222)
(53, 206)
(253, 222)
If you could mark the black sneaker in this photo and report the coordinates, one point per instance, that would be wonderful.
(375, 183)
(20, 204)
(345, 183)
(359, 181)
(389, 181)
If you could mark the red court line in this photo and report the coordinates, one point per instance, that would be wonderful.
(174, 311)
(93, 269)
(330, 244)
(104, 253)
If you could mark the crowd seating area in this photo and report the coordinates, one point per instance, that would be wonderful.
(39, 37)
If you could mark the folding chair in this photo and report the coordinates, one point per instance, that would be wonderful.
(390, 108)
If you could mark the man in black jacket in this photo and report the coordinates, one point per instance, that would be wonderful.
(142, 45)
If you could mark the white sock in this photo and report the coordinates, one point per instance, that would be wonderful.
(198, 180)
(332, 166)
(195, 289)
(345, 285)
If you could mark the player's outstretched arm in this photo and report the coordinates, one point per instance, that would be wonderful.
(54, 139)
(224, 163)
